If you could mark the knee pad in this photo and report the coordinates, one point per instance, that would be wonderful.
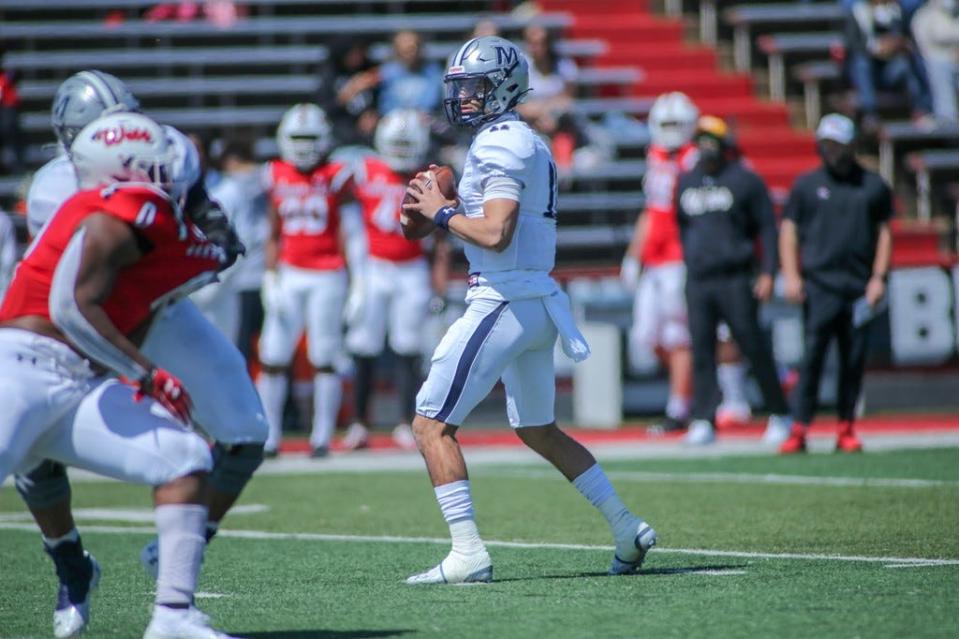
(234, 465)
(44, 486)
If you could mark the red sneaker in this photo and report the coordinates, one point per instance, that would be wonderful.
(796, 442)
(847, 442)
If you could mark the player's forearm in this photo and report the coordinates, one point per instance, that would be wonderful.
(482, 231)
(639, 234)
(789, 249)
(880, 265)
(76, 297)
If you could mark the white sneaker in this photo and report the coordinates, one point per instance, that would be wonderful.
(357, 436)
(700, 433)
(631, 547)
(732, 414)
(777, 429)
(150, 558)
(403, 437)
(70, 618)
(190, 623)
(458, 569)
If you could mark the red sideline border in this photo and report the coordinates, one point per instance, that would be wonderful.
(634, 432)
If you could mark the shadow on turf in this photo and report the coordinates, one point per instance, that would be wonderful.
(685, 570)
(324, 634)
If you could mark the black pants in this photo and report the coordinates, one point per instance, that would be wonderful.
(728, 298)
(826, 315)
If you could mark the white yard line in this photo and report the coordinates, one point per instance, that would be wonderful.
(390, 539)
(747, 478)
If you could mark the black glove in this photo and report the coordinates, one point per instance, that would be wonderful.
(207, 214)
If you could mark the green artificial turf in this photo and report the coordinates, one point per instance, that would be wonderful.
(287, 588)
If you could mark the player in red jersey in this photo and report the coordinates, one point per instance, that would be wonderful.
(659, 310)
(77, 309)
(305, 284)
(396, 289)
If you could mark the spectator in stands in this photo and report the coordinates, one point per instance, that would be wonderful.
(234, 303)
(836, 230)
(552, 89)
(880, 57)
(11, 136)
(485, 27)
(409, 81)
(348, 91)
(935, 28)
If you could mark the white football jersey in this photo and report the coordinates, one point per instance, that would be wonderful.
(53, 184)
(508, 147)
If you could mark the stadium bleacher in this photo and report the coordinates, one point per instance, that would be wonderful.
(214, 80)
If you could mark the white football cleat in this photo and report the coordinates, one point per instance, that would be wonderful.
(458, 569)
(150, 558)
(777, 429)
(188, 623)
(72, 614)
(700, 433)
(357, 436)
(631, 547)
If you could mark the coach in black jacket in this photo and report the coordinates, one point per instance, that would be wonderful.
(836, 225)
(722, 208)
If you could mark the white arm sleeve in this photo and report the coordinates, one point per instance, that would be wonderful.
(354, 237)
(67, 317)
(502, 186)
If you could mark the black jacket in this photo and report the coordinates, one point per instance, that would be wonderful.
(720, 218)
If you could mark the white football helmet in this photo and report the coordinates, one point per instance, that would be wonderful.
(403, 138)
(123, 147)
(672, 120)
(186, 170)
(304, 136)
(84, 97)
(486, 78)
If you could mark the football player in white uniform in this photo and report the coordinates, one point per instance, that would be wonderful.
(507, 217)
(226, 405)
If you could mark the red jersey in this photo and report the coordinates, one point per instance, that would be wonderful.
(661, 244)
(177, 254)
(380, 190)
(308, 206)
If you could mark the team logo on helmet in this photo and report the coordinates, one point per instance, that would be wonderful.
(117, 135)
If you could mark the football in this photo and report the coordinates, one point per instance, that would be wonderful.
(416, 225)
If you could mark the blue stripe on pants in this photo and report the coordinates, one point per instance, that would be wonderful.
(466, 361)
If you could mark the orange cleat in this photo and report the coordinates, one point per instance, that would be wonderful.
(796, 443)
(847, 442)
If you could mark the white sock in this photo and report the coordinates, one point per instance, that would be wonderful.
(327, 393)
(273, 388)
(456, 503)
(53, 542)
(180, 529)
(594, 485)
(732, 382)
(677, 408)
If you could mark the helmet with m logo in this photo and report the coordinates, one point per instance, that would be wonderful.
(487, 77)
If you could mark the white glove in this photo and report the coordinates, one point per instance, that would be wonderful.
(355, 301)
(270, 292)
(629, 272)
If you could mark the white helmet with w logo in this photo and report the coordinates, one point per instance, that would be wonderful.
(123, 147)
(487, 77)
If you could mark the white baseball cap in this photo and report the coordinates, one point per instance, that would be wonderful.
(837, 128)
